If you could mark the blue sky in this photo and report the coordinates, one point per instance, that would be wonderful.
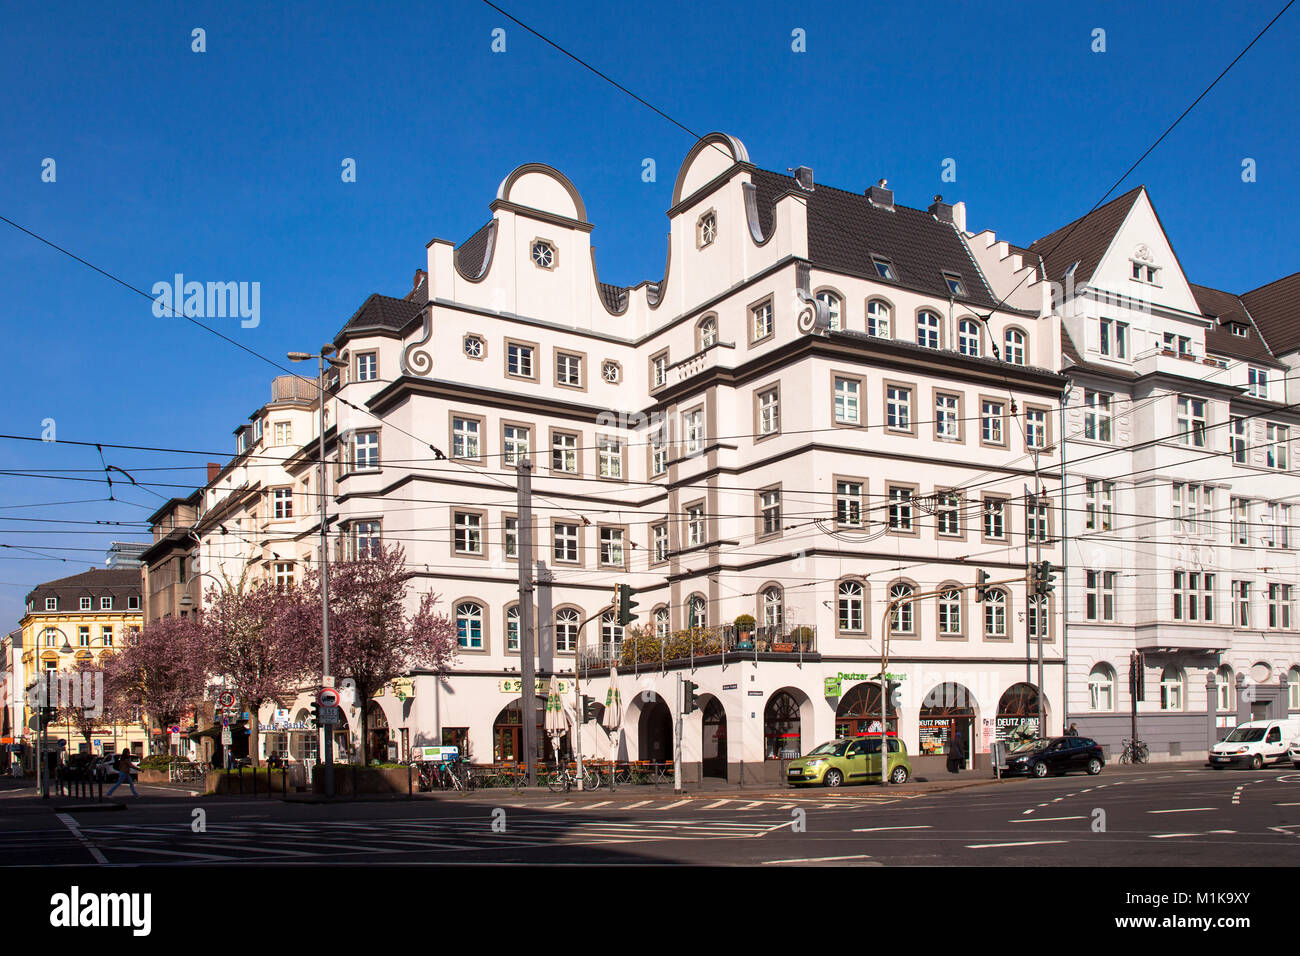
(225, 165)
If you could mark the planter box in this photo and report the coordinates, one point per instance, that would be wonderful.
(218, 781)
(780, 648)
(349, 780)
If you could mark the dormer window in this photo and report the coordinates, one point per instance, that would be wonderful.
(955, 285)
(543, 254)
(884, 268)
(706, 230)
(239, 443)
(257, 430)
(52, 604)
(1238, 330)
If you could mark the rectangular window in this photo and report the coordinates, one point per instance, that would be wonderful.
(1240, 520)
(106, 603)
(83, 604)
(568, 370)
(611, 457)
(848, 406)
(659, 536)
(1238, 440)
(1036, 518)
(1035, 427)
(1193, 596)
(515, 442)
(51, 604)
(658, 452)
(1191, 421)
(1275, 449)
(1279, 606)
(848, 504)
(898, 408)
(693, 429)
(284, 574)
(900, 508)
(1104, 335)
(1098, 504)
(367, 366)
(282, 502)
(83, 635)
(106, 635)
(1258, 382)
(947, 513)
(1241, 603)
(519, 360)
(365, 451)
(769, 412)
(947, 424)
(659, 370)
(695, 525)
(995, 518)
(1100, 594)
(566, 542)
(770, 506)
(761, 321)
(564, 452)
(611, 547)
(510, 536)
(1121, 340)
(1096, 415)
(991, 422)
(283, 433)
(468, 533)
(465, 438)
(133, 603)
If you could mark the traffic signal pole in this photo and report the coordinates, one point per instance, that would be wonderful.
(527, 663)
(677, 749)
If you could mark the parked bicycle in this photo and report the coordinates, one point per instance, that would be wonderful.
(564, 780)
(1135, 751)
(445, 775)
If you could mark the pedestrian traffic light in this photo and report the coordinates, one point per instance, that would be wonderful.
(626, 615)
(690, 701)
(589, 712)
(981, 585)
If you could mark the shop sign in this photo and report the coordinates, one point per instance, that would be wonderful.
(889, 675)
(515, 685)
(755, 693)
(402, 688)
(833, 686)
(438, 754)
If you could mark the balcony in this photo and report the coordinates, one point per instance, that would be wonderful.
(1202, 638)
(703, 645)
(701, 361)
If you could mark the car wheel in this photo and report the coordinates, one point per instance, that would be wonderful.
(898, 775)
(1256, 762)
(1094, 766)
(1040, 769)
(833, 778)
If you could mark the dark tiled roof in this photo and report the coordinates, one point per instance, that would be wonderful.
(614, 297)
(101, 582)
(1276, 310)
(472, 253)
(1083, 241)
(383, 312)
(1220, 340)
(845, 230)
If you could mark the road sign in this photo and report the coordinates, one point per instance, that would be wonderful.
(328, 697)
(226, 699)
(226, 739)
(331, 715)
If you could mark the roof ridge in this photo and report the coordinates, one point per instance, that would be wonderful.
(1086, 215)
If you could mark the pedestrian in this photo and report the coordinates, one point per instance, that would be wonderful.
(956, 753)
(124, 773)
(1073, 731)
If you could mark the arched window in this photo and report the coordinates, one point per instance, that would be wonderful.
(832, 302)
(782, 738)
(1223, 688)
(950, 612)
(469, 625)
(1293, 689)
(512, 628)
(878, 318)
(566, 629)
(968, 337)
(661, 622)
(1171, 688)
(773, 607)
(697, 611)
(708, 331)
(902, 622)
(851, 607)
(927, 330)
(995, 613)
(611, 632)
(1015, 350)
(1101, 688)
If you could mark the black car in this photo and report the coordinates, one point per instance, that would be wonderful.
(1055, 755)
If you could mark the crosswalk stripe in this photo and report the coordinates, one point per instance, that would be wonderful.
(677, 804)
(716, 803)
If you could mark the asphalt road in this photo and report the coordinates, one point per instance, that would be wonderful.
(1145, 816)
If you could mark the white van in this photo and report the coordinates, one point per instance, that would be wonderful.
(1255, 743)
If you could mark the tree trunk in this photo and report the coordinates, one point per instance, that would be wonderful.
(365, 733)
(253, 733)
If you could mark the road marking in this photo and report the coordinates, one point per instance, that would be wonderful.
(633, 806)
(677, 804)
(756, 803)
(1059, 799)
(819, 859)
(1029, 811)
(1166, 836)
(593, 806)
(786, 806)
(878, 829)
(989, 846)
(556, 806)
(1046, 819)
(71, 824)
(717, 803)
(1184, 810)
(1286, 804)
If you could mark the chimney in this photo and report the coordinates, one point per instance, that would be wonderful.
(213, 470)
(959, 216)
(804, 177)
(880, 196)
(420, 275)
(940, 210)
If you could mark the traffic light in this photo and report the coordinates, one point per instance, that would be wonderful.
(314, 720)
(691, 703)
(48, 715)
(1043, 579)
(981, 585)
(626, 615)
(589, 712)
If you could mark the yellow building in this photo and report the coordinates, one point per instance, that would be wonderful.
(85, 617)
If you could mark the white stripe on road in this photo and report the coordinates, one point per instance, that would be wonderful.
(878, 829)
(819, 859)
(1046, 819)
(1184, 810)
(989, 846)
(677, 804)
(756, 803)
(593, 806)
(717, 803)
(1030, 810)
(633, 806)
(71, 824)
(556, 806)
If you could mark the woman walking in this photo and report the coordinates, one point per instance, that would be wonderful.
(124, 773)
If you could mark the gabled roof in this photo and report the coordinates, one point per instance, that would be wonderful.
(1276, 310)
(1085, 240)
(1219, 339)
(383, 312)
(845, 230)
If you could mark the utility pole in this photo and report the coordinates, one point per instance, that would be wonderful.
(527, 666)
(1031, 591)
(677, 747)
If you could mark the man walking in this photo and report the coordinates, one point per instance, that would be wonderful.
(124, 773)
(956, 753)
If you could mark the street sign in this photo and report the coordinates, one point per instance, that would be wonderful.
(331, 715)
(226, 738)
(226, 699)
(328, 697)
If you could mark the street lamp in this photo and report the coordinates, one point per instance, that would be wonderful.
(326, 351)
(43, 785)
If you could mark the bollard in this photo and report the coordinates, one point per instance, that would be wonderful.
(410, 794)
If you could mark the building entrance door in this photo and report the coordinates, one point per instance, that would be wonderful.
(714, 744)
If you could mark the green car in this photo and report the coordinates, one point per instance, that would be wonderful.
(849, 760)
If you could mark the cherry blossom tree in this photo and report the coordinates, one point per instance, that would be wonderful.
(161, 671)
(373, 638)
(258, 636)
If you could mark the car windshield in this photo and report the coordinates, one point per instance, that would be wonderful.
(1245, 735)
(1024, 745)
(833, 749)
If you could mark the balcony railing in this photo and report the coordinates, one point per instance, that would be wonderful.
(724, 642)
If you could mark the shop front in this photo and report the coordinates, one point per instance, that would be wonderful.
(858, 711)
(1017, 718)
(946, 712)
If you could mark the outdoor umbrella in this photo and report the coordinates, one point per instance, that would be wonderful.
(556, 724)
(613, 718)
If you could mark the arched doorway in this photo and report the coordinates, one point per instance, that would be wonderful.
(859, 712)
(782, 727)
(713, 745)
(377, 727)
(508, 734)
(306, 743)
(1018, 713)
(655, 731)
(947, 710)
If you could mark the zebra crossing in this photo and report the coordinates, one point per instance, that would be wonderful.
(836, 801)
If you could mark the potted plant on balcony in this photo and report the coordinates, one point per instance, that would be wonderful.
(802, 637)
(745, 631)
